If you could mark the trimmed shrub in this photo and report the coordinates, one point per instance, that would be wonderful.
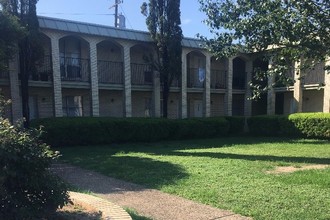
(314, 125)
(28, 189)
(264, 125)
(236, 124)
(92, 131)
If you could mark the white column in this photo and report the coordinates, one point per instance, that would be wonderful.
(184, 107)
(94, 79)
(57, 84)
(326, 98)
(298, 92)
(229, 94)
(207, 91)
(16, 104)
(127, 80)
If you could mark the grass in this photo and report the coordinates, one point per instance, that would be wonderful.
(227, 173)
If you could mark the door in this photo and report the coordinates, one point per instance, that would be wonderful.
(198, 108)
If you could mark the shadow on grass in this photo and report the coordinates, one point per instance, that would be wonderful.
(140, 170)
(313, 160)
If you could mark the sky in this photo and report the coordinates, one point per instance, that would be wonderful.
(101, 12)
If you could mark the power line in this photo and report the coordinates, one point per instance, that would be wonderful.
(60, 13)
(126, 17)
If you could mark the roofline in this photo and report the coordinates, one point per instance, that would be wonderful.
(147, 34)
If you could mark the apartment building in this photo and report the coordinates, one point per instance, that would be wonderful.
(95, 70)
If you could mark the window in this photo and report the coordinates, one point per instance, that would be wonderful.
(72, 106)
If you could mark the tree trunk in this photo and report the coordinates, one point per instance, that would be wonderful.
(24, 73)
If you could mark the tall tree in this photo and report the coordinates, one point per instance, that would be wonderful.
(285, 31)
(10, 33)
(163, 21)
(30, 50)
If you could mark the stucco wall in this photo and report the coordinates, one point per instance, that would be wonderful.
(111, 103)
(45, 101)
(313, 100)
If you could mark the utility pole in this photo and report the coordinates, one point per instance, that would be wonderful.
(117, 2)
(116, 12)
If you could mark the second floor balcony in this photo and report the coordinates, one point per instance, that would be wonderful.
(75, 69)
(141, 74)
(195, 77)
(218, 79)
(4, 75)
(316, 77)
(44, 70)
(110, 72)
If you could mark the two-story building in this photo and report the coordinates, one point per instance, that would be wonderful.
(95, 70)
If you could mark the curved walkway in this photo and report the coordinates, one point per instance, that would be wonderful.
(108, 209)
(147, 202)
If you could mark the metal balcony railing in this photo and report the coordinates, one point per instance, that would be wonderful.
(286, 80)
(44, 70)
(195, 78)
(141, 74)
(110, 72)
(4, 75)
(218, 79)
(75, 69)
(239, 82)
(314, 77)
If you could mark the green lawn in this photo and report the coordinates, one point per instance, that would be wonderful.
(227, 173)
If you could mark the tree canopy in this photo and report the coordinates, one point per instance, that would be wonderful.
(284, 31)
(163, 21)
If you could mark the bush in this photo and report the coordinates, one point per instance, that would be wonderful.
(264, 125)
(28, 189)
(314, 125)
(236, 124)
(92, 131)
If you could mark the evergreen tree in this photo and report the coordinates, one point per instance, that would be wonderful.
(163, 21)
(30, 50)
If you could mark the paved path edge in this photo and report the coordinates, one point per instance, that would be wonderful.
(109, 210)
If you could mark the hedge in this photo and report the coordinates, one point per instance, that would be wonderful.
(311, 125)
(92, 131)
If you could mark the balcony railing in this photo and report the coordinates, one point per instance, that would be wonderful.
(285, 80)
(75, 69)
(218, 79)
(110, 72)
(314, 77)
(195, 78)
(239, 82)
(44, 70)
(4, 75)
(141, 74)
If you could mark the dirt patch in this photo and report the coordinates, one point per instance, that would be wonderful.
(291, 169)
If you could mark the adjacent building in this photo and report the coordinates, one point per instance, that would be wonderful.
(95, 70)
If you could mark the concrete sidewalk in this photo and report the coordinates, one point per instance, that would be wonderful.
(147, 202)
